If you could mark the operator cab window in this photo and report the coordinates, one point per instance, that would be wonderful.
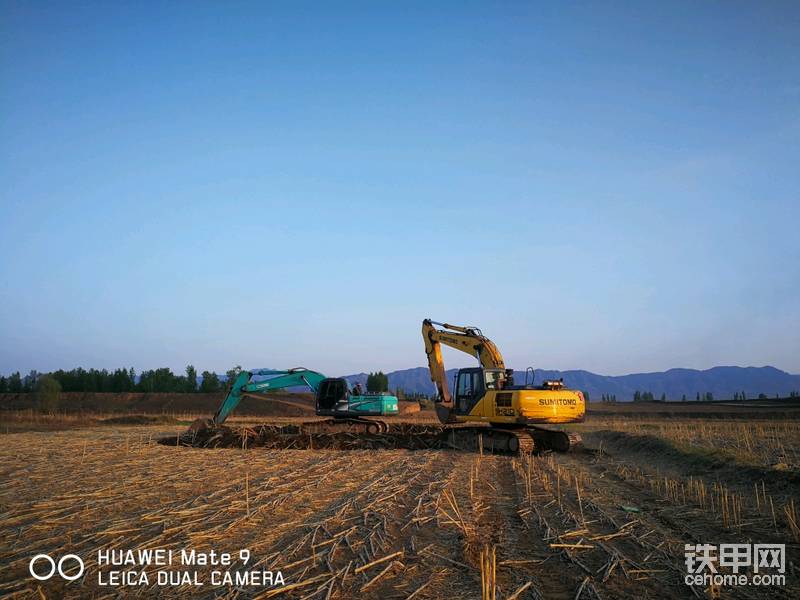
(469, 390)
(493, 380)
(465, 384)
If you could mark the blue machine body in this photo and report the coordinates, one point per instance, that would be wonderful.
(333, 397)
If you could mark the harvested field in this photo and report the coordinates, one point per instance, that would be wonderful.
(609, 521)
(764, 443)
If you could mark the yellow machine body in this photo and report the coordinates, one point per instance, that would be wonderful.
(527, 407)
(487, 393)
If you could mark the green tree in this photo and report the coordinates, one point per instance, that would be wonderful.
(210, 383)
(683, 398)
(698, 397)
(191, 378)
(48, 393)
(3, 385)
(161, 380)
(15, 383)
(637, 396)
(663, 397)
(29, 381)
(377, 382)
(232, 374)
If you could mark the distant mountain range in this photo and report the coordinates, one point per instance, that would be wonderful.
(722, 382)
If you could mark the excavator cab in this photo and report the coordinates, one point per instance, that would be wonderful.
(335, 400)
(330, 393)
(469, 390)
(472, 384)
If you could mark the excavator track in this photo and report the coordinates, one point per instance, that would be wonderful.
(490, 440)
(510, 441)
(550, 439)
(350, 425)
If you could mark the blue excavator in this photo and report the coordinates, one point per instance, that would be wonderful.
(346, 409)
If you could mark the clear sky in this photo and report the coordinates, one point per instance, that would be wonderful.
(606, 186)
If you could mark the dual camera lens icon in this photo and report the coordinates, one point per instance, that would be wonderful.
(55, 567)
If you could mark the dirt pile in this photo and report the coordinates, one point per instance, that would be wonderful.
(307, 436)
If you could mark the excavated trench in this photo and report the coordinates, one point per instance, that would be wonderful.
(299, 437)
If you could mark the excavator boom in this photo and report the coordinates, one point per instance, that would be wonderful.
(467, 339)
(248, 382)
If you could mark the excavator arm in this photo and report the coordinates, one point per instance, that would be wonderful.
(247, 382)
(467, 339)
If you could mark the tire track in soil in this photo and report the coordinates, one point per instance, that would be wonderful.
(607, 563)
(496, 503)
(553, 577)
(602, 509)
(609, 492)
(597, 564)
(365, 509)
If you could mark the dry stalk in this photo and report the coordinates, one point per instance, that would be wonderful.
(519, 591)
(580, 503)
(791, 519)
(488, 573)
(379, 561)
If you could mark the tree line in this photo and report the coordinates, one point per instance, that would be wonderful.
(706, 397)
(120, 380)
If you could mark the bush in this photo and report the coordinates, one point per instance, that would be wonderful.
(48, 393)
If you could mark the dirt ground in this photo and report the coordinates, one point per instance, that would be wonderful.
(609, 520)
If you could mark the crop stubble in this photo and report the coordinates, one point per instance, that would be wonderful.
(371, 523)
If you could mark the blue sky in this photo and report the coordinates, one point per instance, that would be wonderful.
(613, 188)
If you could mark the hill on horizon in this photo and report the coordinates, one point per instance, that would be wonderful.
(721, 382)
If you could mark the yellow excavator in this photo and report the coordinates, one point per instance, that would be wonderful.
(488, 394)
